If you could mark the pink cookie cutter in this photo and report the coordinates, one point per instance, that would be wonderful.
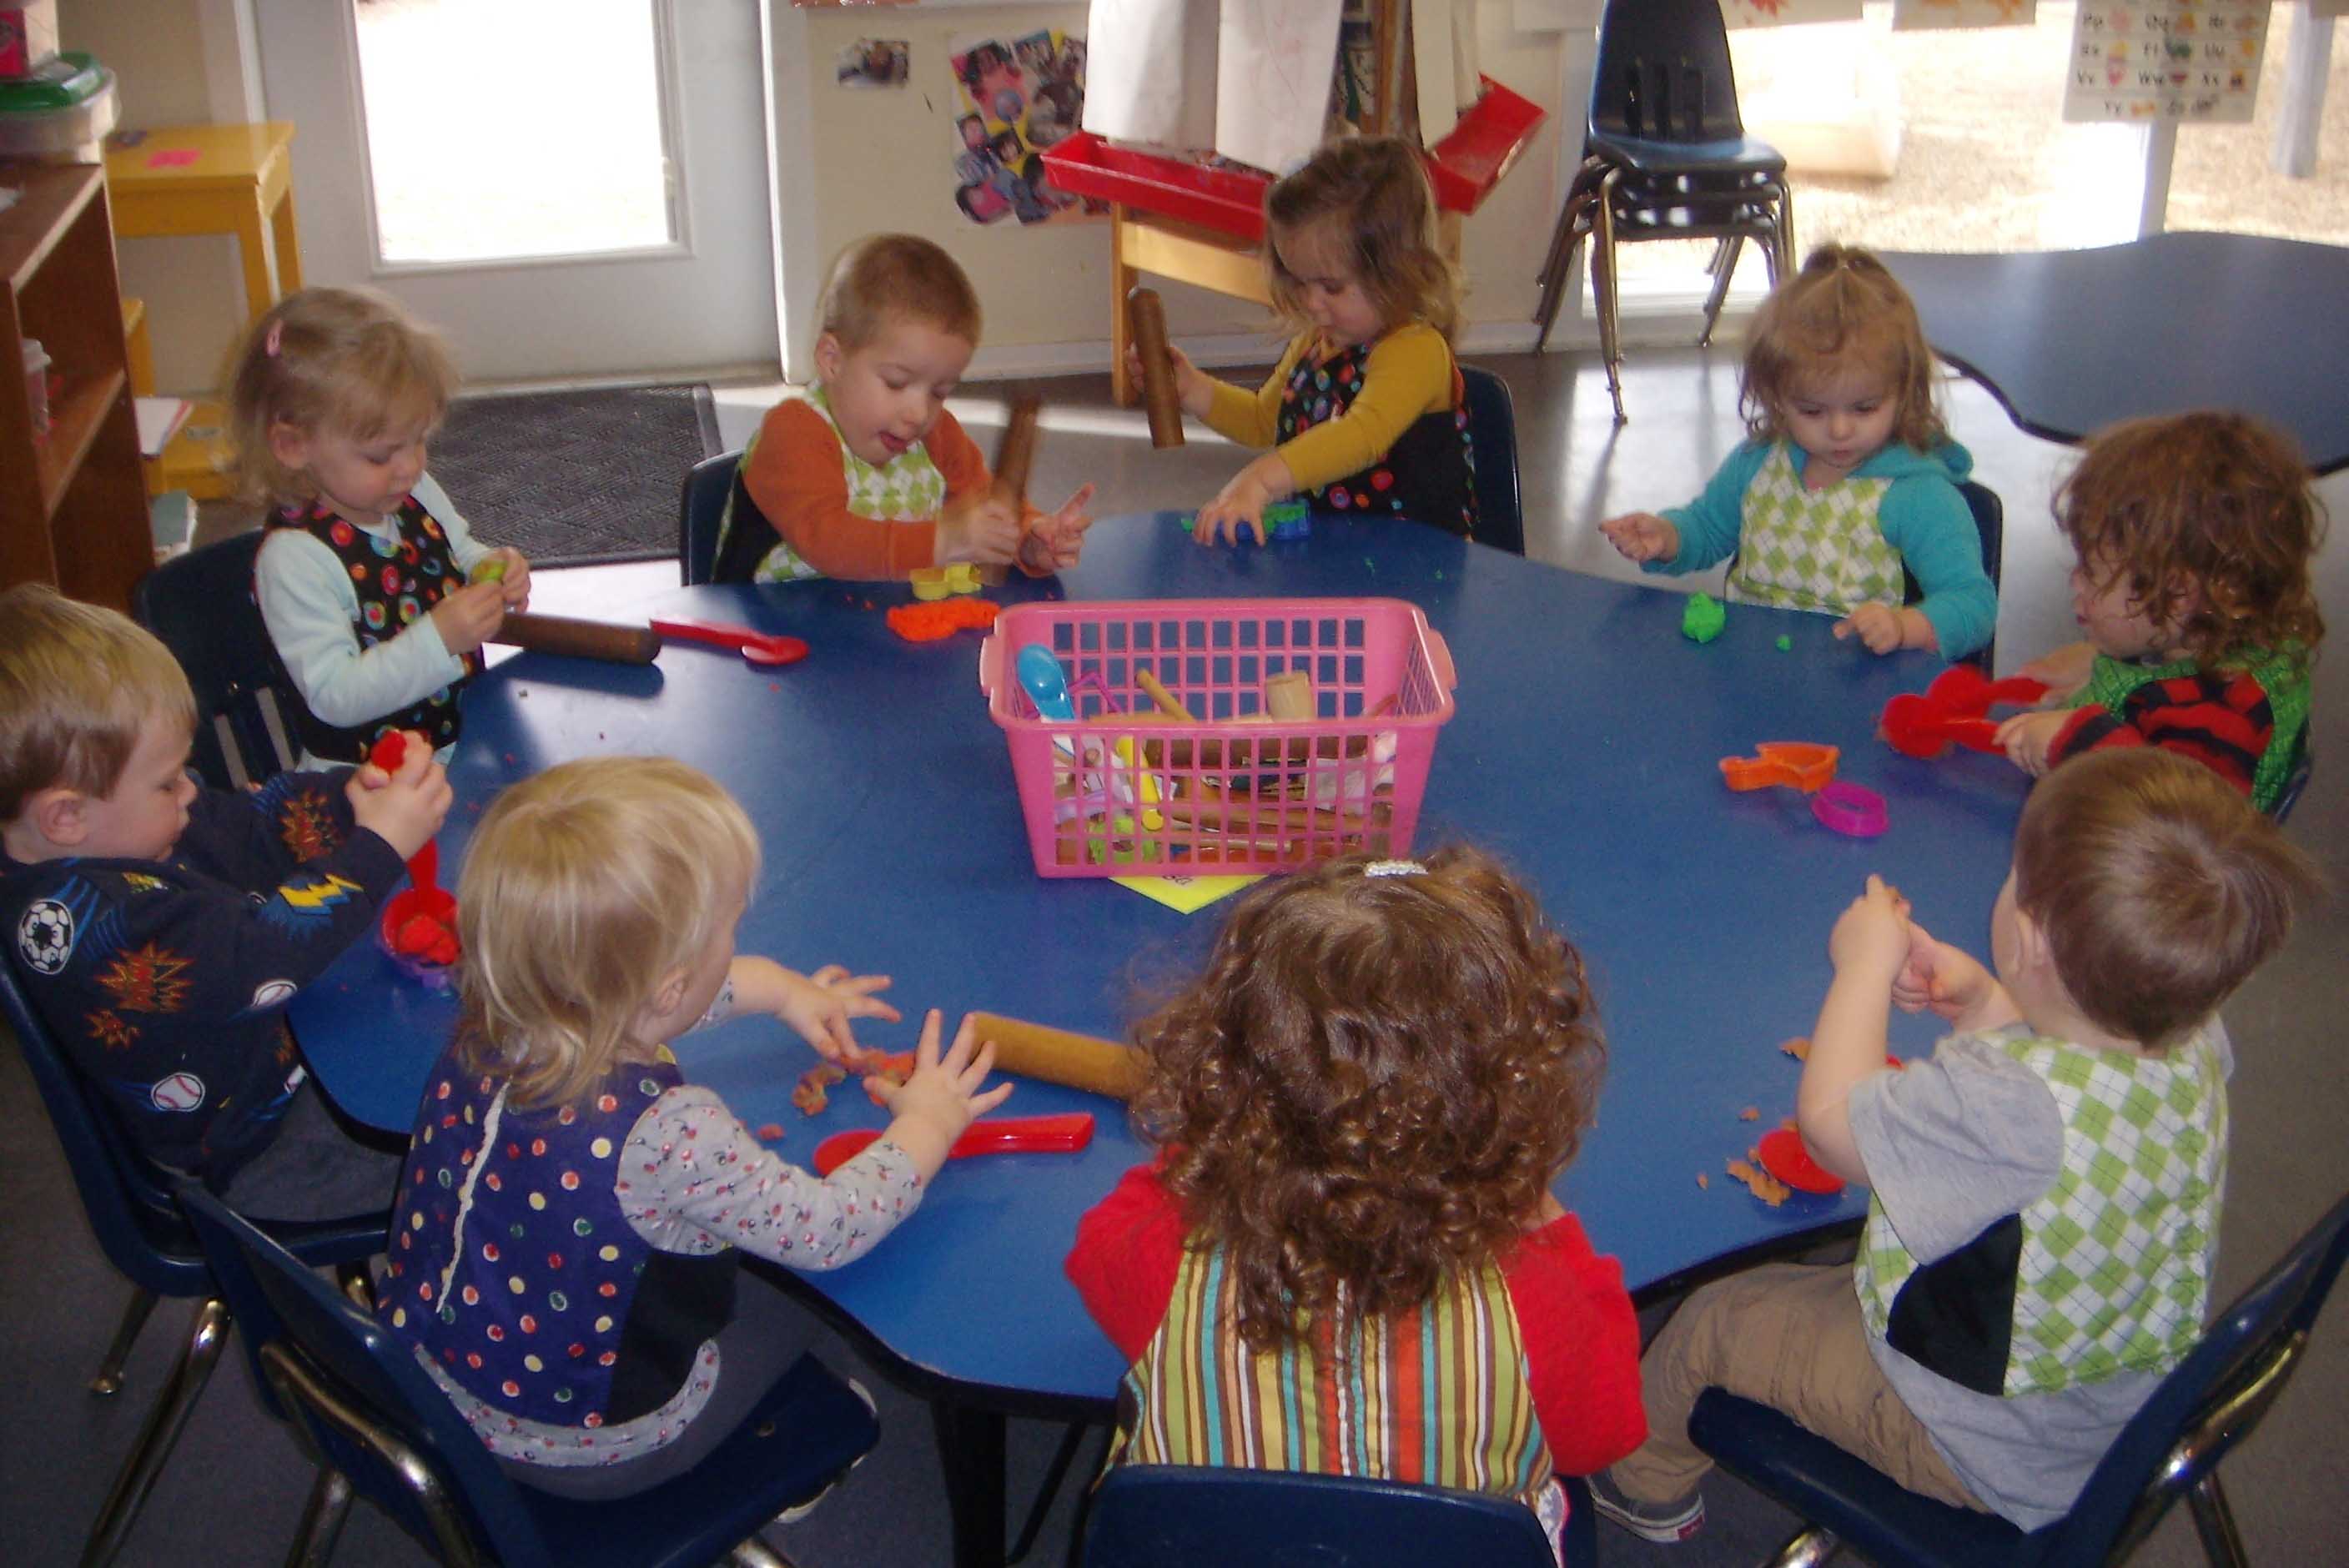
(1852, 809)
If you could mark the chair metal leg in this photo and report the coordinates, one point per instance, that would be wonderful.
(756, 1554)
(207, 1334)
(1725, 268)
(321, 1520)
(2214, 1521)
(134, 1317)
(1812, 1548)
(1603, 284)
(1787, 262)
(1054, 1474)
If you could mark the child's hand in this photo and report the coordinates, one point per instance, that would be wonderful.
(406, 808)
(1886, 628)
(980, 527)
(2065, 669)
(1642, 536)
(1192, 389)
(943, 1096)
(469, 617)
(1872, 936)
(2027, 737)
(819, 1006)
(514, 584)
(1240, 505)
(1947, 980)
(1062, 532)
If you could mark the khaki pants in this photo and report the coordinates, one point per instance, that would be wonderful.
(1788, 1335)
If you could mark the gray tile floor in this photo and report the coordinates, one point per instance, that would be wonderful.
(235, 1489)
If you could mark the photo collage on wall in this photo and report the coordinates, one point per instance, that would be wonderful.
(1013, 98)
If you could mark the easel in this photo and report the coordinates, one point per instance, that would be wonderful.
(1142, 241)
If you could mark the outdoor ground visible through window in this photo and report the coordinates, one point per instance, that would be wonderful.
(513, 128)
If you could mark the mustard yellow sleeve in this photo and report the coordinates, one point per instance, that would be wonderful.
(1408, 374)
(1252, 419)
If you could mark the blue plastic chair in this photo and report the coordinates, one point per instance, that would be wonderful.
(201, 605)
(360, 1405)
(1493, 436)
(143, 1233)
(2173, 1447)
(1665, 157)
(1176, 1516)
(1990, 523)
(702, 509)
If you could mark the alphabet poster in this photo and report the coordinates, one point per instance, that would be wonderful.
(1013, 98)
(1910, 15)
(2188, 60)
(1785, 13)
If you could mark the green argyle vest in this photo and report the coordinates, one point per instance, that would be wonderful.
(2115, 1255)
(2282, 675)
(908, 488)
(1820, 550)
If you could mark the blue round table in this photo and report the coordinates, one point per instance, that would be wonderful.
(1584, 751)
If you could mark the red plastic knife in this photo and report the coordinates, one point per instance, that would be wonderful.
(1064, 1133)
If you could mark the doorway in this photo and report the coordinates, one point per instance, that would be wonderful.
(568, 188)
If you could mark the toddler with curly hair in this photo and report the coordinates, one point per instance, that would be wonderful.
(1359, 1108)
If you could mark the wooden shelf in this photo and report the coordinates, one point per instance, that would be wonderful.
(73, 501)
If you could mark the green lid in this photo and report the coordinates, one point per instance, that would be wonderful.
(67, 82)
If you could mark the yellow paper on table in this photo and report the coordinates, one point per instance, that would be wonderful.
(1187, 895)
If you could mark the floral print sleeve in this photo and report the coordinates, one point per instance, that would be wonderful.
(693, 1179)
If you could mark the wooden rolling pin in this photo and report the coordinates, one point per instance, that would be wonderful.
(1014, 456)
(1055, 1055)
(575, 639)
(1147, 317)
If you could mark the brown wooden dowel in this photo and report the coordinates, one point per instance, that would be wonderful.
(1015, 453)
(1147, 317)
(576, 639)
(1057, 1056)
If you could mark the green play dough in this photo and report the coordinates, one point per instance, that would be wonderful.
(489, 569)
(1703, 620)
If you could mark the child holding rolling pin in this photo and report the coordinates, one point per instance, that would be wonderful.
(572, 1210)
(1360, 1107)
(869, 476)
(376, 594)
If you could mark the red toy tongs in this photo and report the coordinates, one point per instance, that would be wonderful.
(1953, 708)
(1062, 1134)
(420, 923)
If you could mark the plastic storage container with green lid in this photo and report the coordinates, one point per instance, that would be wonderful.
(65, 106)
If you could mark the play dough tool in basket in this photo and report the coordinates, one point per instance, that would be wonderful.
(1197, 771)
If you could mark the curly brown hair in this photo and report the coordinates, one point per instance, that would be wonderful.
(1370, 196)
(1372, 1085)
(2212, 518)
(1842, 307)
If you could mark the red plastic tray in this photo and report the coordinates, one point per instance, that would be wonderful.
(1464, 167)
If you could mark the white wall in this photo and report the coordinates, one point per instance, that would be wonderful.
(882, 159)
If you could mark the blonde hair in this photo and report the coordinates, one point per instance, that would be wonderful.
(1371, 194)
(345, 362)
(2159, 887)
(78, 684)
(1843, 307)
(886, 275)
(585, 888)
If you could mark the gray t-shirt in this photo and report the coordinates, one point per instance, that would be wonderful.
(1952, 1145)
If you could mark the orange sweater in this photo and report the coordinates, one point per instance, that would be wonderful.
(792, 471)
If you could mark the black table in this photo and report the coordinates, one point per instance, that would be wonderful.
(2071, 341)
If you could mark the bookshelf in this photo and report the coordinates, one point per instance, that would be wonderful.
(73, 504)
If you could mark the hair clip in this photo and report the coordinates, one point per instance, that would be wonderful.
(1394, 868)
(273, 340)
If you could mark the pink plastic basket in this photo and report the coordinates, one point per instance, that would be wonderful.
(1123, 790)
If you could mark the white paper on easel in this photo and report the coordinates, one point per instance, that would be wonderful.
(1431, 54)
(1274, 65)
(1554, 16)
(1150, 71)
(1467, 62)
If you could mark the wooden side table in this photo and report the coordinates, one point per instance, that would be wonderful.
(214, 179)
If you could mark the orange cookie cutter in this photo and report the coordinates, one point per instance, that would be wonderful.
(1803, 764)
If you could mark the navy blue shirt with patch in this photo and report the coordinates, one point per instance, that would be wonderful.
(166, 980)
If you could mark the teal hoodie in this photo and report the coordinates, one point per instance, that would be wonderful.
(1924, 517)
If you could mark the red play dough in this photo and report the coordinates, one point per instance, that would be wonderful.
(1784, 1156)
